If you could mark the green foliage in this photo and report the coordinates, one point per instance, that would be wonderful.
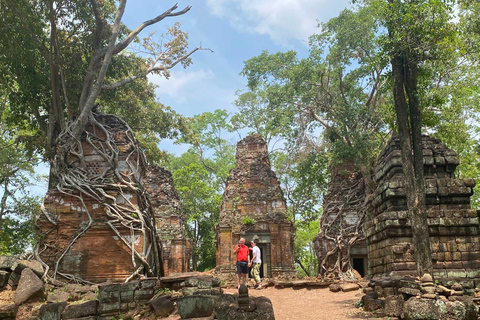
(303, 247)
(248, 221)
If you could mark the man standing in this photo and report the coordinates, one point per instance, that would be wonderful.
(256, 261)
(243, 259)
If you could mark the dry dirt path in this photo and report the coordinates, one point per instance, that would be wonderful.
(315, 304)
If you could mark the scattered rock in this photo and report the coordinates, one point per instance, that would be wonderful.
(80, 310)
(409, 291)
(59, 296)
(162, 306)
(457, 287)
(51, 311)
(35, 265)
(429, 296)
(282, 284)
(426, 278)
(195, 306)
(4, 275)
(346, 287)
(29, 287)
(370, 303)
(8, 311)
(6, 262)
(335, 287)
(394, 306)
(424, 309)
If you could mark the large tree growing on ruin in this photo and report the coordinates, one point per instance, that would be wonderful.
(418, 32)
(61, 58)
(62, 61)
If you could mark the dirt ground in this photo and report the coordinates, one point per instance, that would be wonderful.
(315, 304)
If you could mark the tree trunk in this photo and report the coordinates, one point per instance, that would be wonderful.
(412, 157)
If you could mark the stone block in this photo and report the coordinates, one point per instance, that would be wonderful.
(7, 262)
(51, 311)
(143, 294)
(35, 265)
(4, 276)
(195, 306)
(80, 310)
(148, 283)
(29, 287)
(162, 306)
(13, 279)
(108, 308)
(394, 305)
(8, 311)
(346, 287)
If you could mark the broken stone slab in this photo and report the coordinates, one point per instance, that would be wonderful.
(283, 284)
(51, 311)
(226, 309)
(4, 276)
(318, 284)
(370, 303)
(13, 279)
(6, 262)
(59, 296)
(299, 284)
(394, 306)
(346, 287)
(178, 277)
(424, 309)
(195, 306)
(8, 311)
(335, 287)
(29, 287)
(35, 265)
(162, 306)
(409, 291)
(80, 310)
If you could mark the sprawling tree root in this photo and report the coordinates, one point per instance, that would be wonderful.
(336, 233)
(73, 179)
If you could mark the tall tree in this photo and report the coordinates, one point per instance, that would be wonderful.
(418, 31)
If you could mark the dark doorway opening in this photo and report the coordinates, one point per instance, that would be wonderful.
(359, 265)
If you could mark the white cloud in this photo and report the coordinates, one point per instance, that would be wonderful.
(281, 20)
(178, 82)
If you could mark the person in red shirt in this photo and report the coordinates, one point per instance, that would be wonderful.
(243, 259)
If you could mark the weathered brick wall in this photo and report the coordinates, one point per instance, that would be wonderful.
(342, 219)
(169, 218)
(454, 227)
(98, 254)
(253, 191)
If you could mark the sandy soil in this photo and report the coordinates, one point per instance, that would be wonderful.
(315, 304)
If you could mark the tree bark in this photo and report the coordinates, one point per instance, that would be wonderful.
(412, 157)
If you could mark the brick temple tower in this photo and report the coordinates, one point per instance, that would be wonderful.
(254, 206)
(170, 221)
(453, 226)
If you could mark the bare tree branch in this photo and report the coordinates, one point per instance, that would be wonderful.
(122, 45)
(80, 123)
(122, 82)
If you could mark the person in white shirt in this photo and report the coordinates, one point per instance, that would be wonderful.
(256, 262)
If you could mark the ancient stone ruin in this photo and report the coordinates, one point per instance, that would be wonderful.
(97, 222)
(340, 245)
(454, 227)
(169, 218)
(254, 206)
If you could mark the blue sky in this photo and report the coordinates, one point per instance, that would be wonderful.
(235, 30)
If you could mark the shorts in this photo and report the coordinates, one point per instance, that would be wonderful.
(242, 267)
